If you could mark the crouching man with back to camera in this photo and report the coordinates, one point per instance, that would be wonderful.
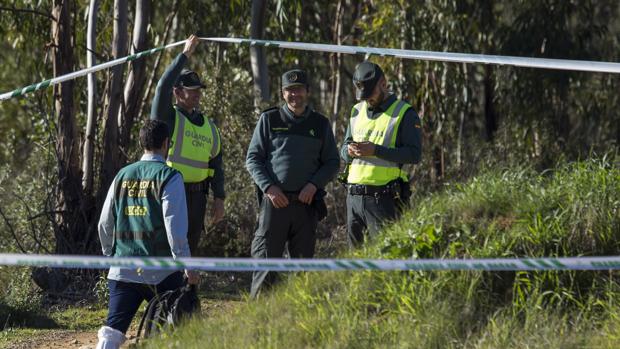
(144, 214)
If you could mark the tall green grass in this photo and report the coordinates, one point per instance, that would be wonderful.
(571, 211)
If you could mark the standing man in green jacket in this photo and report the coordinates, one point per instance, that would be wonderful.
(383, 135)
(291, 157)
(195, 148)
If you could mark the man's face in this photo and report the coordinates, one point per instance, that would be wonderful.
(378, 94)
(296, 97)
(188, 98)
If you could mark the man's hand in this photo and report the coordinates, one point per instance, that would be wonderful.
(359, 149)
(277, 197)
(193, 277)
(306, 195)
(190, 45)
(217, 211)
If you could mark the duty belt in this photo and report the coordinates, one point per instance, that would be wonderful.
(292, 196)
(374, 190)
(197, 187)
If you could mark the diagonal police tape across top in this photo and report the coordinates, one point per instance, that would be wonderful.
(544, 63)
(57, 80)
(280, 264)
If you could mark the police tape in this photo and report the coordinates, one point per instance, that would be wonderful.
(280, 264)
(51, 82)
(529, 62)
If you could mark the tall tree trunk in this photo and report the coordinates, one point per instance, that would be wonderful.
(490, 116)
(336, 63)
(134, 87)
(110, 163)
(91, 121)
(69, 227)
(257, 54)
(168, 26)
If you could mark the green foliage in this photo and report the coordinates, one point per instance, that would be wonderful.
(573, 210)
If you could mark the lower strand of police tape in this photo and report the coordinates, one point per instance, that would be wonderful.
(280, 264)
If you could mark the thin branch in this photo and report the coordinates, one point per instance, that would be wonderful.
(33, 229)
(12, 230)
(25, 10)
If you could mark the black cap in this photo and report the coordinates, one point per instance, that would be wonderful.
(365, 77)
(294, 77)
(189, 79)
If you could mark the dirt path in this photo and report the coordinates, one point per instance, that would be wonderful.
(57, 339)
(221, 295)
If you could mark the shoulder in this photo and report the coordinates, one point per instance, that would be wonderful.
(355, 110)
(323, 121)
(270, 111)
(410, 117)
(269, 115)
(319, 117)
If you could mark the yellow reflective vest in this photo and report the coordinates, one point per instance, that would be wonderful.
(192, 147)
(370, 170)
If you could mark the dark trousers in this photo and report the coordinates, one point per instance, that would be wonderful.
(367, 214)
(295, 224)
(196, 206)
(126, 297)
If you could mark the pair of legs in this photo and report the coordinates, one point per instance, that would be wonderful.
(366, 215)
(125, 300)
(295, 224)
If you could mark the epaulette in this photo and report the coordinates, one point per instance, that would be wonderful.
(269, 110)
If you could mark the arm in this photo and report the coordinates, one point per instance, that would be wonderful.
(330, 163)
(217, 186)
(408, 142)
(217, 182)
(106, 223)
(174, 209)
(344, 149)
(257, 155)
(161, 107)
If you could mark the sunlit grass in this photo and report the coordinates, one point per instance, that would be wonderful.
(573, 210)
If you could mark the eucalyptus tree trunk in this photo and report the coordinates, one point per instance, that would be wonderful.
(91, 121)
(257, 54)
(69, 225)
(336, 64)
(110, 163)
(134, 87)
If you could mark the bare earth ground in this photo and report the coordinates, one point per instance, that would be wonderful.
(222, 295)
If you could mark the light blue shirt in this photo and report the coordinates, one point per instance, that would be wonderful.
(174, 209)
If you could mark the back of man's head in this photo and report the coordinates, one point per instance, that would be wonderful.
(153, 134)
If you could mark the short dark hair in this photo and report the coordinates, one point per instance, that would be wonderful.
(153, 134)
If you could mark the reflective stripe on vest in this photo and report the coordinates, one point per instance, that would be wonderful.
(193, 147)
(370, 170)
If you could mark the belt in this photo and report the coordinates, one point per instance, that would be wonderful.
(292, 197)
(372, 190)
(197, 187)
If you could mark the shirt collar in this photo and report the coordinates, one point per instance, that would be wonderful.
(291, 116)
(152, 157)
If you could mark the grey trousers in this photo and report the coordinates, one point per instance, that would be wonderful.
(367, 214)
(295, 224)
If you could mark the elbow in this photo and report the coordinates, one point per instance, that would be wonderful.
(416, 157)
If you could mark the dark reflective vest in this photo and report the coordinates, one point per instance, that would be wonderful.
(139, 223)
